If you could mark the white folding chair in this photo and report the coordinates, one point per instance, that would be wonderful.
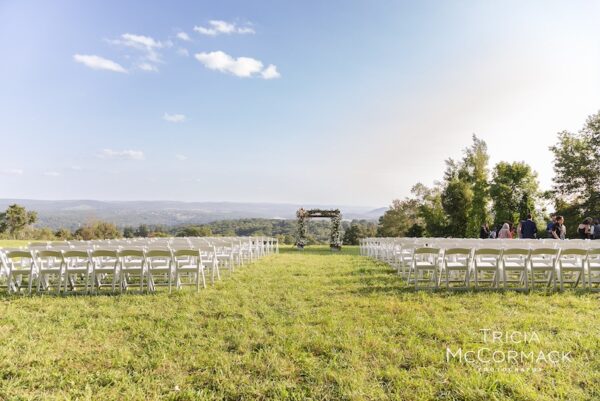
(105, 264)
(425, 267)
(188, 264)
(20, 265)
(132, 264)
(78, 267)
(50, 265)
(159, 268)
(486, 266)
(593, 266)
(515, 262)
(457, 261)
(543, 262)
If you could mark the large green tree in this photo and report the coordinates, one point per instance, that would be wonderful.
(515, 191)
(465, 197)
(431, 210)
(399, 218)
(16, 219)
(577, 168)
(476, 164)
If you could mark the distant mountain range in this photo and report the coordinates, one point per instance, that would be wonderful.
(72, 213)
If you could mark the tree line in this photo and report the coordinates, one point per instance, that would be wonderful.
(17, 223)
(471, 193)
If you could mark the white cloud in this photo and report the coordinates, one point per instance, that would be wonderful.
(76, 168)
(12, 171)
(98, 63)
(241, 67)
(181, 157)
(51, 173)
(145, 44)
(148, 67)
(270, 72)
(183, 36)
(121, 154)
(183, 52)
(218, 27)
(174, 118)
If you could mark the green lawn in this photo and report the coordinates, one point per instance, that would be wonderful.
(299, 325)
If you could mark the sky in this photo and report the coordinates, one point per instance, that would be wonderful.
(342, 103)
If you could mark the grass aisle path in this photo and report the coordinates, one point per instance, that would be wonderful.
(299, 325)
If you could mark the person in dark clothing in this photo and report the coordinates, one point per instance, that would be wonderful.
(528, 228)
(484, 233)
(558, 232)
(597, 229)
(550, 226)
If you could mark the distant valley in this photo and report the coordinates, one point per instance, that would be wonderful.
(73, 213)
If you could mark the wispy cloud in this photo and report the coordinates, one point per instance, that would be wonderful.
(181, 157)
(174, 118)
(241, 67)
(147, 67)
(183, 36)
(148, 46)
(12, 171)
(98, 63)
(183, 52)
(121, 154)
(270, 72)
(218, 27)
(51, 173)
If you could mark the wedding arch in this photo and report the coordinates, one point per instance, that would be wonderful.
(335, 238)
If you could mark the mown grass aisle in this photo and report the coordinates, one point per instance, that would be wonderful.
(299, 325)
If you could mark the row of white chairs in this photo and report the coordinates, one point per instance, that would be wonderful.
(425, 264)
(119, 265)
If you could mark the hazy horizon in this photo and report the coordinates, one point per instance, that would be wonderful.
(299, 103)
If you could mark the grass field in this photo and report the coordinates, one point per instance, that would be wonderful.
(299, 325)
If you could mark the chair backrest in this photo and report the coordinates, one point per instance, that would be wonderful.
(545, 251)
(105, 253)
(138, 253)
(186, 252)
(573, 251)
(426, 250)
(49, 254)
(76, 254)
(488, 252)
(18, 254)
(158, 253)
(458, 251)
(515, 252)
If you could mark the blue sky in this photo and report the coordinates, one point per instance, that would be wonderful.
(110, 100)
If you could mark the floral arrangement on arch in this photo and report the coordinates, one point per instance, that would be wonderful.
(335, 238)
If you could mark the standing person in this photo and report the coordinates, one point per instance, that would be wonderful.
(484, 233)
(586, 229)
(505, 232)
(559, 229)
(597, 229)
(550, 225)
(528, 228)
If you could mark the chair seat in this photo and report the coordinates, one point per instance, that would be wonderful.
(486, 265)
(571, 266)
(456, 265)
(190, 268)
(542, 266)
(514, 265)
(425, 265)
